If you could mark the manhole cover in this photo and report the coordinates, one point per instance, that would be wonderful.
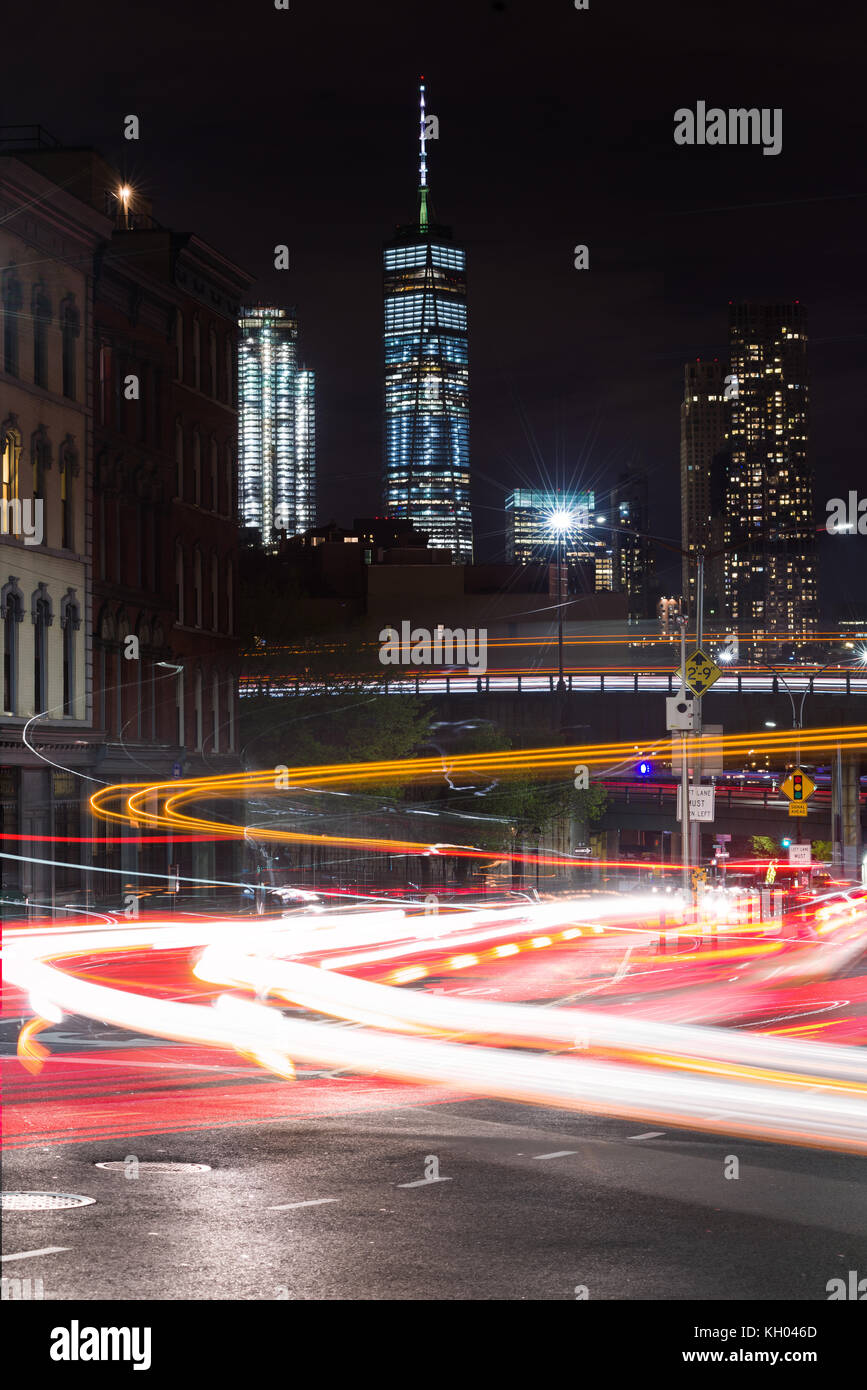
(43, 1201)
(156, 1166)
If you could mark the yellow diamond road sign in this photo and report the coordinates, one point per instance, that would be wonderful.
(701, 673)
(798, 786)
(797, 808)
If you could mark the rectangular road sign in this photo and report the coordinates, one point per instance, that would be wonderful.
(701, 803)
(701, 672)
(800, 855)
(797, 808)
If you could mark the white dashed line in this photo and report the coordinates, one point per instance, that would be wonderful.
(29, 1254)
(423, 1182)
(314, 1202)
(651, 1134)
(561, 1153)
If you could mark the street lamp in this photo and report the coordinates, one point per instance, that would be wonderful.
(560, 522)
(798, 716)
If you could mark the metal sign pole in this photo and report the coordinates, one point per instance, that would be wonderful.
(684, 772)
(695, 830)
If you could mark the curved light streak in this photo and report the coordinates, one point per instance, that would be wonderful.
(704, 1078)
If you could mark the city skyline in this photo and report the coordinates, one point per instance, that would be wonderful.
(575, 373)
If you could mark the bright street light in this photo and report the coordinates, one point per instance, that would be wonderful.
(560, 522)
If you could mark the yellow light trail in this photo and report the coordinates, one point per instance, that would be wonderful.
(171, 796)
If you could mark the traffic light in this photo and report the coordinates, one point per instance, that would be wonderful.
(644, 769)
(786, 842)
(797, 786)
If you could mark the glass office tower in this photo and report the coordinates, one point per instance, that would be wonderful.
(427, 423)
(770, 559)
(277, 435)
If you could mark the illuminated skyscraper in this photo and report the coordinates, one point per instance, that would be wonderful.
(427, 423)
(704, 420)
(531, 536)
(277, 434)
(604, 537)
(770, 565)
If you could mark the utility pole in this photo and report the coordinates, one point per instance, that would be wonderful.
(561, 682)
(684, 770)
(695, 828)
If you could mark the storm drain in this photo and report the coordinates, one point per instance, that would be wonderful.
(43, 1201)
(155, 1166)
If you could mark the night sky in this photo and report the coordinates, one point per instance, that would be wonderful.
(556, 128)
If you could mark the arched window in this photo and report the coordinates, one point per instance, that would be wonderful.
(179, 582)
(197, 468)
(197, 353)
(13, 299)
(230, 600)
(215, 480)
(107, 634)
(70, 331)
(179, 457)
(215, 594)
(198, 708)
(179, 707)
(154, 548)
(143, 633)
(212, 359)
(230, 713)
(10, 445)
(41, 308)
(215, 711)
(40, 458)
(230, 481)
(70, 622)
(68, 471)
(123, 671)
(179, 345)
(42, 617)
(197, 587)
(12, 613)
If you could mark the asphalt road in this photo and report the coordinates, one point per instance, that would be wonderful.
(537, 1204)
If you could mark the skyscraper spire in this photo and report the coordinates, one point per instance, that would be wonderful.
(427, 417)
(422, 163)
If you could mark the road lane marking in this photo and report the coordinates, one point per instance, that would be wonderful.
(314, 1202)
(651, 1134)
(561, 1153)
(423, 1182)
(623, 966)
(29, 1254)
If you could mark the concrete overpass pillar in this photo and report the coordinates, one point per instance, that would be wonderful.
(846, 813)
(612, 844)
